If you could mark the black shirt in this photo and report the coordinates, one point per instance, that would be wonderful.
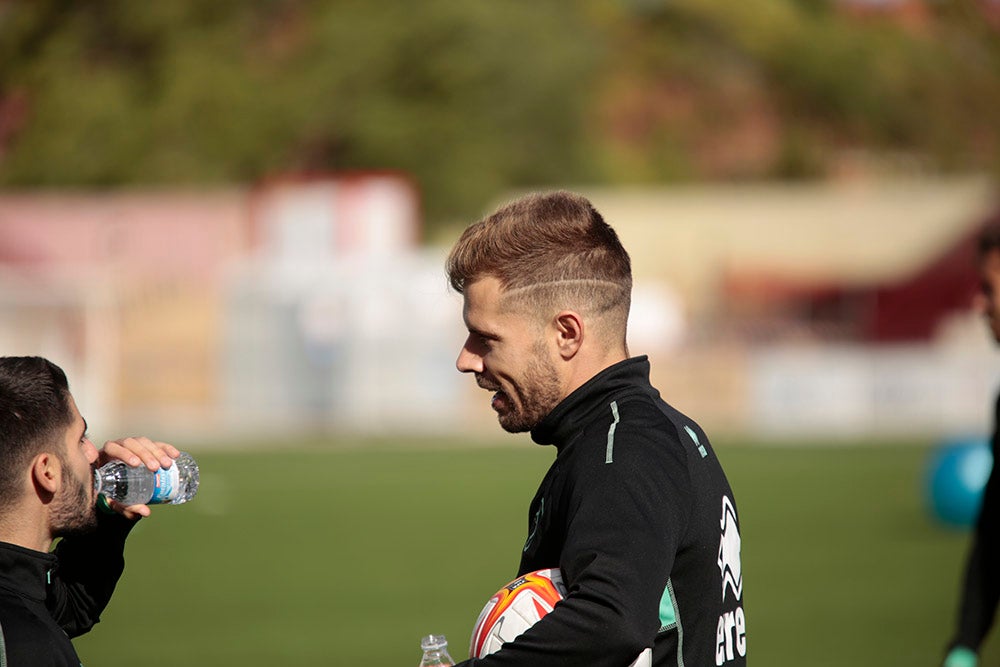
(46, 598)
(638, 515)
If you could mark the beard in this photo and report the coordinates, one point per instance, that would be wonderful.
(538, 390)
(75, 512)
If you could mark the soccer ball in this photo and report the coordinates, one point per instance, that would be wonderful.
(515, 608)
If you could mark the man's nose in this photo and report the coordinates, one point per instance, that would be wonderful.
(468, 361)
(90, 451)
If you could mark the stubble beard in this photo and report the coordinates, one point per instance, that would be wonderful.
(540, 394)
(75, 512)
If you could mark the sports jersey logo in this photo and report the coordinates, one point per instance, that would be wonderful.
(729, 551)
(536, 522)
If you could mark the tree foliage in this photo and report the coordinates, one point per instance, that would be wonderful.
(474, 98)
(468, 97)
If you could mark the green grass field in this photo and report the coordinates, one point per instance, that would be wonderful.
(334, 554)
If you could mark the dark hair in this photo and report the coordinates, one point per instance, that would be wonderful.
(551, 250)
(34, 414)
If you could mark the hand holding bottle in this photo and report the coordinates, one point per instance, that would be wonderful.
(142, 454)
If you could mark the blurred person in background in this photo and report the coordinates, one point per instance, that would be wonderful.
(981, 585)
(47, 492)
(635, 510)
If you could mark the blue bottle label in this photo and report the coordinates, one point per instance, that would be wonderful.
(166, 484)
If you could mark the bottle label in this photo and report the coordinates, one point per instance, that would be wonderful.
(166, 484)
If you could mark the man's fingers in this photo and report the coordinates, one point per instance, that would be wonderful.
(132, 512)
(142, 451)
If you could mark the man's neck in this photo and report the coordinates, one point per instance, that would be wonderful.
(588, 368)
(23, 528)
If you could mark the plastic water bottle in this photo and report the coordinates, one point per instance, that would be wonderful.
(435, 649)
(126, 485)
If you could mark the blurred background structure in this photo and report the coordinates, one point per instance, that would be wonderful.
(231, 218)
(308, 306)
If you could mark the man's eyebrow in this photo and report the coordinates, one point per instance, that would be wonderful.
(482, 334)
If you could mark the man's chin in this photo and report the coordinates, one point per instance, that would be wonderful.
(515, 427)
(513, 423)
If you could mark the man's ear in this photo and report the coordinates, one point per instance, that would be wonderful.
(569, 333)
(46, 474)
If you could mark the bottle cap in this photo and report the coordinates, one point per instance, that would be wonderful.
(433, 642)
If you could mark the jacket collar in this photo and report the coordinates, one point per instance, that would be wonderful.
(572, 413)
(25, 571)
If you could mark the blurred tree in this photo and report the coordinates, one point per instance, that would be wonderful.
(790, 87)
(475, 98)
(469, 98)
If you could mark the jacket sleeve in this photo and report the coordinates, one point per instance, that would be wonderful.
(88, 571)
(981, 588)
(625, 520)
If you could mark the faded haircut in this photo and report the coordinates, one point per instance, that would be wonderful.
(34, 415)
(549, 252)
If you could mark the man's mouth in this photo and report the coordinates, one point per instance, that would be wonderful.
(499, 397)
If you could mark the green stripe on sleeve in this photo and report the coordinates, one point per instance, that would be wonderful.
(609, 455)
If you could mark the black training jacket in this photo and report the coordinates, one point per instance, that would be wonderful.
(981, 583)
(639, 516)
(46, 598)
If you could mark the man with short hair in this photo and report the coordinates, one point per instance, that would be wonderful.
(47, 467)
(635, 510)
(981, 584)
